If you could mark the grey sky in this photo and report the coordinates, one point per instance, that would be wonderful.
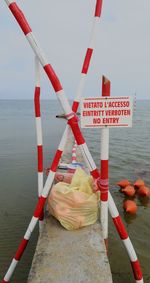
(62, 28)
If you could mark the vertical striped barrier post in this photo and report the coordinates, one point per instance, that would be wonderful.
(104, 181)
(38, 133)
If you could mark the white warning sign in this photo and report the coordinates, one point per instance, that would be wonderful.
(103, 111)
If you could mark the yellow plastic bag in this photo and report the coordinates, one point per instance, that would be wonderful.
(74, 205)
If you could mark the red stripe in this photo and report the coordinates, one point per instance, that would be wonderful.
(40, 158)
(19, 16)
(95, 173)
(104, 176)
(98, 8)
(37, 102)
(75, 106)
(74, 158)
(39, 207)
(41, 215)
(137, 270)
(120, 228)
(104, 169)
(105, 86)
(53, 77)
(104, 194)
(76, 130)
(87, 61)
(21, 249)
(56, 160)
(3, 281)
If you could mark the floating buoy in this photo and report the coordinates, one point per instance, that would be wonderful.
(129, 191)
(130, 206)
(139, 183)
(123, 183)
(143, 191)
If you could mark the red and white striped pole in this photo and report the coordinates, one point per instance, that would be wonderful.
(88, 55)
(74, 153)
(85, 68)
(104, 181)
(39, 137)
(137, 272)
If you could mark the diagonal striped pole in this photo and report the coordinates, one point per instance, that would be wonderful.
(39, 137)
(137, 272)
(83, 76)
(88, 55)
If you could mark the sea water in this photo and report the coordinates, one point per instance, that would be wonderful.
(129, 158)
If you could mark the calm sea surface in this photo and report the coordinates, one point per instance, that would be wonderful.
(129, 158)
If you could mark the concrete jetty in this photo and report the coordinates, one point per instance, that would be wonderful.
(63, 256)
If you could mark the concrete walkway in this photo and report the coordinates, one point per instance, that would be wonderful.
(70, 256)
(63, 256)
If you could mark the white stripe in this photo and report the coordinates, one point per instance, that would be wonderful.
(93, 33)
(139, 281)
(64, 138)
(112, 207)
(8, 2)
(130, 249)
(39, 131)
(40, 183)
(37, 72)
(104, 218)
(74, 154)
(37, 50)
(11, 270)
(80, 87)
(87, 157)
(64, 103)
(105, 144)
(48, 184)
(31, 227)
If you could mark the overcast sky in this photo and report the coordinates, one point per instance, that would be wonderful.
(62, 28)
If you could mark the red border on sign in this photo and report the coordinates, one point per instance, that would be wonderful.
(104, 98)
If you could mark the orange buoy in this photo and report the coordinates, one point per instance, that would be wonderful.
(130, 206)
(123, 183)
(129, 191)
(139, 183)
(143, 191)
